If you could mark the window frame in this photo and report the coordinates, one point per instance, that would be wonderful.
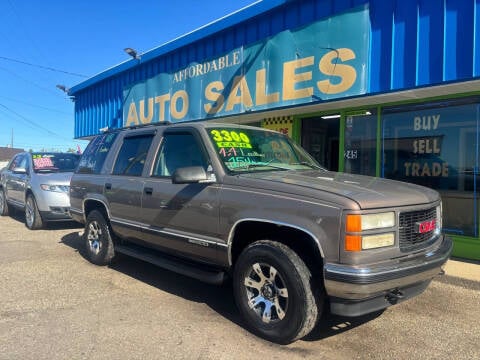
(143, 134)
(184, 131)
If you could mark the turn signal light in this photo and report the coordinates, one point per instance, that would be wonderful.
(353, 242)
(354, 223)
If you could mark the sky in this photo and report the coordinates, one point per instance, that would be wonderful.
(45, 43)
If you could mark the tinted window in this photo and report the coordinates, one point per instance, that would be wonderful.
(132, 155)
(16, 161)
(360, 144)
(95, 154)
(178, 150)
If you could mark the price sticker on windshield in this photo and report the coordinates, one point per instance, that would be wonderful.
(43, 162)
(229, 139)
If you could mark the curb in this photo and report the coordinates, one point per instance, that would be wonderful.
(462, 273)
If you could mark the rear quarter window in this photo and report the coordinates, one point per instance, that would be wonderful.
(95, 154)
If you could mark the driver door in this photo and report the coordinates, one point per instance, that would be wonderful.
(182, 218)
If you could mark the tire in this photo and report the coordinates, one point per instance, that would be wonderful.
(4, 207)
(274, 292)
(33, 219)
(98, 239)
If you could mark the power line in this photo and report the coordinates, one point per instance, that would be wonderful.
(33, 123)
(55, 93)
(43, 67)
(35, 105)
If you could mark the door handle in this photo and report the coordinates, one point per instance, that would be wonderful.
(148, 190)
(108, 186)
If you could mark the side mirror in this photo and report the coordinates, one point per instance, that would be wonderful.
(190, 175)
(20, 170)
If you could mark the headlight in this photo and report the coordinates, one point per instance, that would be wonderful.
(355, 224)
(55, 188)
(376, 241)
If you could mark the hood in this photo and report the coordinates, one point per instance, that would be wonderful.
(368, 192)
(58, 178)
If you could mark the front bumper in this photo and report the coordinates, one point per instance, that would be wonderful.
(56, 213)
(358, 290)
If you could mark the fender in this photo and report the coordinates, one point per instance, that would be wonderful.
(280, 223)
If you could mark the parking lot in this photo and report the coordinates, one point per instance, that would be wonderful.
(56, 305)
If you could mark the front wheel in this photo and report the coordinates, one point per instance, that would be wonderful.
(33, 219)
(4, 207)
(274, 292)
(98, 239)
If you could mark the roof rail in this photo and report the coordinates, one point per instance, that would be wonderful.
(106, 129)
(158, 123)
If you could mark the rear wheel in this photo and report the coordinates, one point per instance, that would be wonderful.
(98, 239)
(4, 207)
(274, 292)
(33, 219)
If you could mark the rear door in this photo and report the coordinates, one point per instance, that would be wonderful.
(181, 218)
(123, 189)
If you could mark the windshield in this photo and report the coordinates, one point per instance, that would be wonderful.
(248, 150)
(55, 162)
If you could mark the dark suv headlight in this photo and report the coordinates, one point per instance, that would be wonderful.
(356, 224)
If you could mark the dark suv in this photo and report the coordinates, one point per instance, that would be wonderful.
(213, 201)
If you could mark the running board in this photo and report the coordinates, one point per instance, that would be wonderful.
(166, 262)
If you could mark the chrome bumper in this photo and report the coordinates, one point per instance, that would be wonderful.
(357, 290)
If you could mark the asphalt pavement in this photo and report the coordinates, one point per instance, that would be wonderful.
(54, 304)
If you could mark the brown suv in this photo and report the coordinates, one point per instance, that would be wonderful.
(213, 200)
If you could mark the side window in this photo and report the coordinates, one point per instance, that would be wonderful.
(16, 162)
(132, 155)
(178, 150)
(95, 154)
(24, 163)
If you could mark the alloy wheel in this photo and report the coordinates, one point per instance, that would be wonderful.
(29, 212)
(2, 202)
(94, 237)
(266, 292)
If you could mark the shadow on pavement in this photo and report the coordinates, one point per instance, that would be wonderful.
(331, 325)
(19, 216)
(218, 298)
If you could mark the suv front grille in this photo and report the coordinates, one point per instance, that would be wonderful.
(410, 238)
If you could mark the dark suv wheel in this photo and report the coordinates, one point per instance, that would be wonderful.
(98, 239)
(273, 292)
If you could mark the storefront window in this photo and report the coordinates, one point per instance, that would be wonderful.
(360, 143)
(437, 147)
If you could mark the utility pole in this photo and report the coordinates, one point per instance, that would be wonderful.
(11, 143)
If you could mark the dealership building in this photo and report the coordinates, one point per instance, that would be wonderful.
(382, 88)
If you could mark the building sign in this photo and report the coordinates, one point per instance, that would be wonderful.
(283, 124)
(324, 60)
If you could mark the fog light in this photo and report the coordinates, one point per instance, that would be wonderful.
(377, 241)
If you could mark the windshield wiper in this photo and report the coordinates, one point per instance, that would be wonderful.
(255, 165)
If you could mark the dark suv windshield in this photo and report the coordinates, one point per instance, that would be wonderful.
(250, 150)
(55, 162)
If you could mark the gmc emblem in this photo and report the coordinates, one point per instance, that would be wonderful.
(425, 226)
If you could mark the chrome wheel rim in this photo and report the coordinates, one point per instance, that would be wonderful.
(94, 234)
(29, 212)
(267, 294)
(2, 202)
